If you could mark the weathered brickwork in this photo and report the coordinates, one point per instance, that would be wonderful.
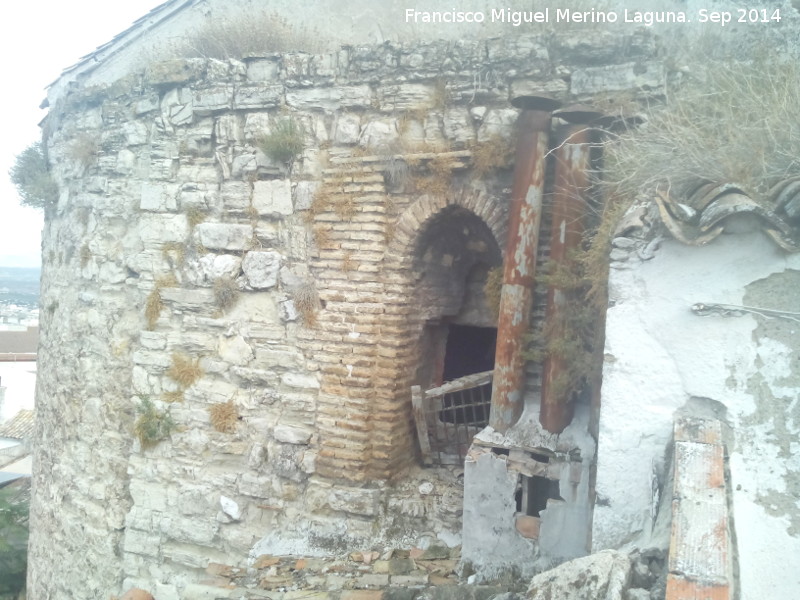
(293, 285)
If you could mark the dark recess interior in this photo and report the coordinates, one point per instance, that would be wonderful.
(469, 350)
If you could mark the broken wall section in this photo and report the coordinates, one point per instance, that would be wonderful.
(663, 358)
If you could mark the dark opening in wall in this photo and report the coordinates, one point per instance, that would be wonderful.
(469, 350)
(533, 493)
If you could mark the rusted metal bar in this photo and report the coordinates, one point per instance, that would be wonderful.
(570, 201)
(516, 295)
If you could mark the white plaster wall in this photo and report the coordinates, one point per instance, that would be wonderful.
(658, 354)
(19, 379)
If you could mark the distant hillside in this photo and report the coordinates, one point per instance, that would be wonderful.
(19, 286)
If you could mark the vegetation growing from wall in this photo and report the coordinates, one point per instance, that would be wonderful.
(224, 416)
(726, 122)
(31, 175)
(226, 293)
(13, 540)
(152, 425)
(184, 369)
(285, 140)
(247, 35)
(306, 302)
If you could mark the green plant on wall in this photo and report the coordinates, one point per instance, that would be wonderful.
(152, 425)
(31, 176)
(13, 540)
(284, 142)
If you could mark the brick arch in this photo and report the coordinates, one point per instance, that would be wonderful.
(414, 219)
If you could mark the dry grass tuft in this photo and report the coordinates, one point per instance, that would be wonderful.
(86, 255)
(195, 215)
(438, 179)
(174, 253)
(348, 264)
(495, 153)
(152, 308)
(248, 35)
(226, 293)
(224, 416)
(173, 396)
(185, 371)
(322, 236)
(734, 122)
(306, 302)
(251, 212)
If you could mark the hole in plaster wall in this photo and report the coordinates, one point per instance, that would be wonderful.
(532, 494)
(500, 451)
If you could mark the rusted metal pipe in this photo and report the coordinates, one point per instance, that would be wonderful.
(570, 201)
(516, 295)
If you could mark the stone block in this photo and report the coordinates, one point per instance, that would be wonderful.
(235, 350)
(457, 125)
(257, 96)
(141, 542)
(330, 99)
(407, 96)
(174, 72)
(498, 122)
(355, 501)
(136, 133)
(628, 76)
(176, 106)
(192, 531)
(305, 191)
(300, 381)
(161, 228)
(261, 268)
(595, 576)
(210, 267)
(379, 134)
(262, 70)
(207, 101)
(225, 236)
(273, 198)
(158, 197)
(347, 129)
(149, 496)
(188, 299)
(289, 434)
(255, 486)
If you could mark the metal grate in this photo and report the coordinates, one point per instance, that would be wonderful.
(449, 416)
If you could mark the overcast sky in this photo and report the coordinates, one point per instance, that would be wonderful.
(38, 39)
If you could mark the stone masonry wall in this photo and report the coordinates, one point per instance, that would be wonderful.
(289, 286)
